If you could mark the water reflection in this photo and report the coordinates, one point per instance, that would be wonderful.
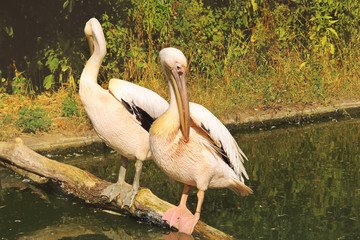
(28, 213)
(306, 182)
(305, 178)
(177, 236)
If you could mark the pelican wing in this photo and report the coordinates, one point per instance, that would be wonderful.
(224, 142)
(144, 104)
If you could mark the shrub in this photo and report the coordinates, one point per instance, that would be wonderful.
(70, 107)
(32, 119)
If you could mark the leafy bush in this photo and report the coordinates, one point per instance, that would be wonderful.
(32, 119)
(60, 68)
(7, 118)
(70, 107)
(255, 52)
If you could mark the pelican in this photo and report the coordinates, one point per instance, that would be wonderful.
(121, 116)
(192, 146)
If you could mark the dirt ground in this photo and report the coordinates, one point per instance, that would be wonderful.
(76, 132)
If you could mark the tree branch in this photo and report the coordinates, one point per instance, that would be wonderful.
(83, 185)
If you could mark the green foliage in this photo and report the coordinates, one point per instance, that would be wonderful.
(216, 36)
(6, 119)
(2, 82)
(268, 52)
(20, 84)
(9, 31)
(70, 107)
(59, 67)
(32, 119)
(69, 4)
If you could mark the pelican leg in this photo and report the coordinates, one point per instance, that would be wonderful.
(129, 195)
(187, 224)
(174, 214)
(120, 187)
(122, 173)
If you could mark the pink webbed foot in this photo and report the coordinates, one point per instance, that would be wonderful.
(173, 215)
(187, 224)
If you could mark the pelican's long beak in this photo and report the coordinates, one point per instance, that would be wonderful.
(179, 83)
(91, 44)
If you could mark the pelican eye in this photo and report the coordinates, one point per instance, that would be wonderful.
(179, 69)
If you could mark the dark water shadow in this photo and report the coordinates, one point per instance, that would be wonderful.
(305, 179)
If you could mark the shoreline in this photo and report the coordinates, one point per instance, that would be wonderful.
(283, 117)
(65, 140)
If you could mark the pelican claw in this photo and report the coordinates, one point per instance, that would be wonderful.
(127, 197)
(121, 189)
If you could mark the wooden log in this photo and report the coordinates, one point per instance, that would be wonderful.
(83, 185)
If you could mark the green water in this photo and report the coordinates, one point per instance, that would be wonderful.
(305, 179)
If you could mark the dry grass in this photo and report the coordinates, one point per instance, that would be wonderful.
(50, 103)
(285, 82)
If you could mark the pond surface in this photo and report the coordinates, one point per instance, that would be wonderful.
(305, 179)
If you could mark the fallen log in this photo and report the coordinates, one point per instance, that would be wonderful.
(83, 185)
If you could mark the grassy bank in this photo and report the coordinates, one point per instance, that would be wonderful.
(43, 113)
(61, 110)
(247, 56)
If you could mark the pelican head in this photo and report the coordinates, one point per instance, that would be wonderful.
(174, 64)
(95, 36)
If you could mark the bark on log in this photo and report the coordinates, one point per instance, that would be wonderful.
(85, 186)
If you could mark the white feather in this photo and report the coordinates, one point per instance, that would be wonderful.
(221, 136)
(142, 97)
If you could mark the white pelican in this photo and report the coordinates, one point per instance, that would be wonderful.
(121, 116)
(192, 146)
